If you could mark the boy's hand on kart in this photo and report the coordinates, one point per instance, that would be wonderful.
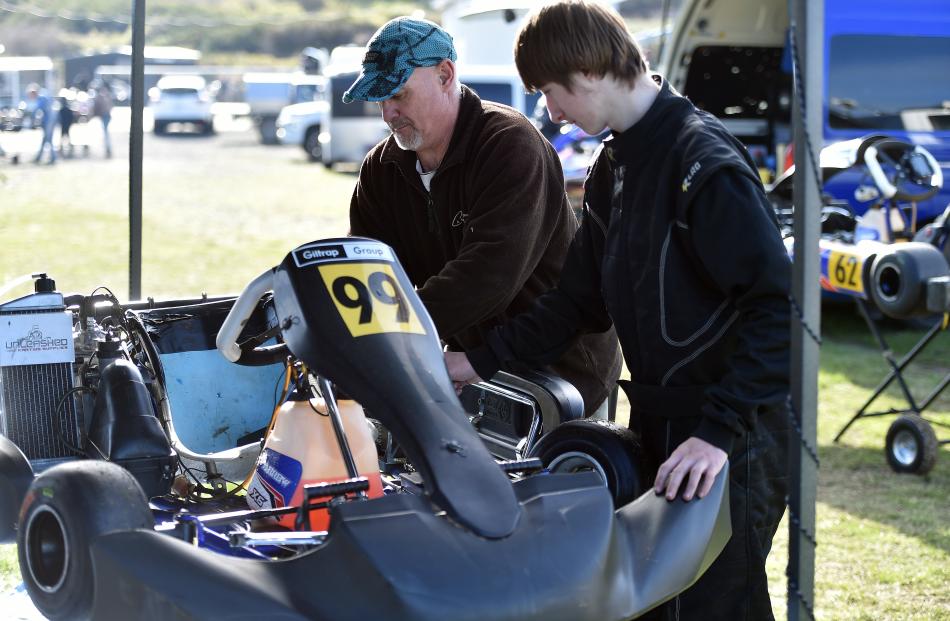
(460, 370)
(695, 462)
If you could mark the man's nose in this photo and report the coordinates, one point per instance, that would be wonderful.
(389, 109)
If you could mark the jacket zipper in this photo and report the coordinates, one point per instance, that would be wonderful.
(432, 220)
(430, 211)
(596, 219)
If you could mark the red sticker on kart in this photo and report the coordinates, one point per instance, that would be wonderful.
(369, 298)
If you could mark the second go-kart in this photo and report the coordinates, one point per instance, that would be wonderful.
(456, 519)
(889, 263)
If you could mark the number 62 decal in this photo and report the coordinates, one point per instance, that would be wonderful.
(369, 298)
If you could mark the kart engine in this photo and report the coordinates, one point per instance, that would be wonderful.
(74, 387)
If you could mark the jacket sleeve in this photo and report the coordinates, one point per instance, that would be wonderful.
(737, 243)
(542, 334)
(518, 203)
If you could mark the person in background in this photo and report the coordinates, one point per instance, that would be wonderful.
(102, 107)
(66, 118)
(44, 116)
(681, 250)
(471, 197)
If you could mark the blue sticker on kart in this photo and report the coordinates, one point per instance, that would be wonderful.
(344, 251)
(275, 481)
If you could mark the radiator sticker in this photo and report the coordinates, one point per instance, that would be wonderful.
(275, 482)
(41, 338)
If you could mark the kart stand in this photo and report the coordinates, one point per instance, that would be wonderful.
(911, 444)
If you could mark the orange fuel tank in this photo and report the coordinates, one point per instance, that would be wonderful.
(302, 449)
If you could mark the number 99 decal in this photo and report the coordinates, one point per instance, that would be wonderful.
(369, 298)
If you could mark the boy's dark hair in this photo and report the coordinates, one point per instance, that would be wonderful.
(576, 36)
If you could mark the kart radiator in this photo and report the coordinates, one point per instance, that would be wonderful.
(36, 372)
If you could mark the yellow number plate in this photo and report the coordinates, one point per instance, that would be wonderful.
(369, 298)
(844, 271)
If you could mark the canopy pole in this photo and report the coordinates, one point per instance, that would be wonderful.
(135, 150)
(807, 37)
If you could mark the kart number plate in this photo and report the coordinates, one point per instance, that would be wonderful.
(845, 270)
(369, 298)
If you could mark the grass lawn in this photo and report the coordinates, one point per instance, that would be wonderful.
(883, 539)
(219, 211)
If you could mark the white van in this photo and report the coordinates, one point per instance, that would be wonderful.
(499, 83)
(351, 130)
(885, 71)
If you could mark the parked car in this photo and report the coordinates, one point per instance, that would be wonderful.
(183, 101)
(266, 94)
(11, 118)
(301, 123)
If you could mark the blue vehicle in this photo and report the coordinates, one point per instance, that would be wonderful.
(885, 73)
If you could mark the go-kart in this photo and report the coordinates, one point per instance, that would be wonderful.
(888, 262)
(885, 255)
(506, 510)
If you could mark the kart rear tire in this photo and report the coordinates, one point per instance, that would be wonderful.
(898, 284)
(911, 445)
(16, 474)
(65, 510)
(599, 445)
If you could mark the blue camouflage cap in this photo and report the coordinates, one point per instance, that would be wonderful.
(395, 50)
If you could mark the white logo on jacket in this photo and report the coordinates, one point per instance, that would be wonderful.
(689, 176)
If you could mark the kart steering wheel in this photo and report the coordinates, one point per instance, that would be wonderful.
(250, 352)
(913, 168)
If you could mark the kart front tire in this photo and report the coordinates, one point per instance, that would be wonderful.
(65, 510)
(604, 447)
(911, 445)
(16, 474)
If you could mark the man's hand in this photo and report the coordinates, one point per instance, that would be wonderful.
(697, 459)
(460, 370)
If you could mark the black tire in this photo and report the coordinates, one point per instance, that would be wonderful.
(66, 509)
(312, 144)
(899, 277)
(599, 445)
(16, 474)
(267, 128)
(159, 128)
(911, 445)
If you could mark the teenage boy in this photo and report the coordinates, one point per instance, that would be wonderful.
(471, 198)
(679, 248)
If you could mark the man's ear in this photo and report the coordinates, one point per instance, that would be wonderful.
(446, 70)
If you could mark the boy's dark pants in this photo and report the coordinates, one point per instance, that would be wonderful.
(735, 587)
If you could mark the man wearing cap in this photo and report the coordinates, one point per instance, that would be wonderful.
(471, 197)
